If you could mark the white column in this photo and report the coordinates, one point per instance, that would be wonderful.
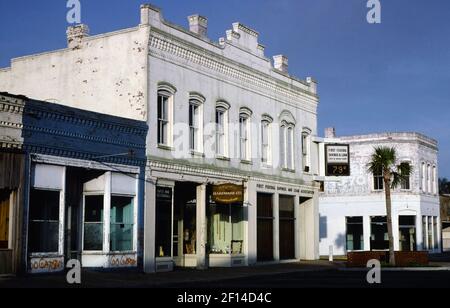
(107, 212)
(366, 232)
(395, 231)
(432, 234)
(419, 233)
(427, 246)
(297, 235)
(276, 226)
(149, 226)
(201, 228)
(62, 211)
(250, 218)
(439, 234)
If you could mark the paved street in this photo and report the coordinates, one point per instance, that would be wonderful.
(297, 275)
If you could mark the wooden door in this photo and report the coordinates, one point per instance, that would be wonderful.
(287, 228)
(264, 227)
(4, 219)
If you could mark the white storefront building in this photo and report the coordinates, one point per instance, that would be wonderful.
(221, 117)
(353, 211)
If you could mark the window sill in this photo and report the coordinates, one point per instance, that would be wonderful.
(288, 170)
(224, 158)
(266, 165)
(197, 154)
(246, 162)
(165, 147)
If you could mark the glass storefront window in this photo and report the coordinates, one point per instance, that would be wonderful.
(121, 224)
(225, 228)
(163, 236)
(407, 233)
(93, 223)
(379, 239)
(355, 233)
(44, 221)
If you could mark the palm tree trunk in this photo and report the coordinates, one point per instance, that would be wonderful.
(387, 190)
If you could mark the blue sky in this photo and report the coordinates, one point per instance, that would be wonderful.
(372, 78)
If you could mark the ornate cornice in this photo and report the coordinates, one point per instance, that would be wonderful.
(162, 44)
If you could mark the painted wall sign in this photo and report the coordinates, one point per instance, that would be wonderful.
(228, 193)
(126, 260)
(337, 159)
(46, 264)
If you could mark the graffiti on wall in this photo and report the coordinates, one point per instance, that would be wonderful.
(129, 260)
(46, 264)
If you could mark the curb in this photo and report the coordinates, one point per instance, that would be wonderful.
(398, 269)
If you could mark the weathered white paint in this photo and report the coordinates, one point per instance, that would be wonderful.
(355, 196)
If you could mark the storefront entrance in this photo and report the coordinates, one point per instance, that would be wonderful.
(265, 227)
(287, 228)
(407, 233)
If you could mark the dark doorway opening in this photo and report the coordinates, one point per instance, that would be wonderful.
(264, 227)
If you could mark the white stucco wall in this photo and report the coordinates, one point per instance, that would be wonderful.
(354, 195)
(105, 73)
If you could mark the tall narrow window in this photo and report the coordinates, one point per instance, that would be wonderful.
(163, 119)
(266, 139)
(122, 218)
(222, 128)
(44, 221)
(290, 148)
(93, 223)
(244, 123)
(424, 177)
(305, 151)
(355, 233)
(283, 159)
(165, 115)
(434, 184)
(429, 178)
(194, 126)
(220, 132)
(378, 181)
(406, 183)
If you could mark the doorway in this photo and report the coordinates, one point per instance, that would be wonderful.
(407, 233)
(4, 218)
(287, 228)
(264, 227)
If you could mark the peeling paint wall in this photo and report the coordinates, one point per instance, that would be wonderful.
(104, 73)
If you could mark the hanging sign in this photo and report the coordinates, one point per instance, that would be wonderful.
(337, 159)
(228, 193)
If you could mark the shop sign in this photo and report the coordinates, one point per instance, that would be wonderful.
(164, 194)
(228, 193)
(337, 159)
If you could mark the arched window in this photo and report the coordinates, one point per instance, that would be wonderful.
(196, 102)
(424, 177)
(244, 133)
(166, 93)
(222, 108)
(429, 176)
(266, 139)
(306, 149)
(434, 176)
(287, 140)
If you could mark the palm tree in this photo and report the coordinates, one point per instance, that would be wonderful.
(444, 186)
(384, 162)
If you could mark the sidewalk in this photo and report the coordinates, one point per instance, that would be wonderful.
(136, 279)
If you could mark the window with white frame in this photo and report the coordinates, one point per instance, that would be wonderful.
(44, 221)
(429, 176)
(378, 180)
(406, 182)
(306, 160)
(434, 176)
(424, 177)
(222, 129)
(244, 134)
(165, 114)
(287, 145)
(196, 122)
(266, 140)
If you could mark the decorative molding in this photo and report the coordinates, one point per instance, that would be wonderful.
(262, 82)
(222, 104)
(245, 111)
(266, 118)
(197, 97)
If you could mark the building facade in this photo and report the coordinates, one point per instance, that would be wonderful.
(353, 210)
(445, 217)
(71, 187)
(232, 162)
